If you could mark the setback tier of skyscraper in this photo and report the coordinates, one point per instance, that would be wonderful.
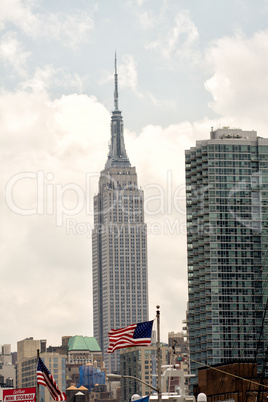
(119, 243)
(227, 239)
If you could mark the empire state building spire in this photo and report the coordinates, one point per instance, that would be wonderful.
(115, 85)
(117, 156)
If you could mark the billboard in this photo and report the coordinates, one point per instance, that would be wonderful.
(21, 394)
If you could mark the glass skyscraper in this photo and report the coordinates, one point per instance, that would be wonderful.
(227, 241)
(119, 242)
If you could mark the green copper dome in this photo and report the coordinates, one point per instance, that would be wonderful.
(80, 342)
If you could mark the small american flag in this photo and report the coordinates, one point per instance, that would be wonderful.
(45, 378)
(133, 335)
(144, 399)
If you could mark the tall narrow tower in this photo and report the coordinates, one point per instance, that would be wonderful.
(227, 240)
(119, 244)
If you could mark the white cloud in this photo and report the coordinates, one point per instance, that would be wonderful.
(147, 20)
(239, 83)
(47, 77)
(53, 143)
(180, 39)
(128, 73)
(164, 104)
(75, 82)
(25, 122)
(148, 17)
(81, 116)
(184, 30)
(41, 80)
(20, 14)
(12, 53)
(69, 29)
(138, 2)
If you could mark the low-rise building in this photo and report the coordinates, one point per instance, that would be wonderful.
(141, 362)
(178, 358)
(99, 393)
(27, 365)
(75, 394)
(82, 350)
(27, 361)
(7, 368)
(63, 361)
(236, 382)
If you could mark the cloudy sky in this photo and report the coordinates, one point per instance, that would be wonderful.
(184, 66)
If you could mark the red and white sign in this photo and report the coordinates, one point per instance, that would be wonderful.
(21, 394)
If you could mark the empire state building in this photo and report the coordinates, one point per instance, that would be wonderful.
(119, 244)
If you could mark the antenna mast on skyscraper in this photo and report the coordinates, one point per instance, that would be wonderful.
(115, 85)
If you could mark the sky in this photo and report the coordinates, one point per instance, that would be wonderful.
(183, 67)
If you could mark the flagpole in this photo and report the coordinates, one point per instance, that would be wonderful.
(37, 385)
(158, 354)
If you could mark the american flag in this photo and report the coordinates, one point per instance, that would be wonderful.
(144, 399)
(133, 335)
(45, 378)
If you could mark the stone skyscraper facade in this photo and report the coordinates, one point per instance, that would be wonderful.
(227, 239)
(119, 244)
